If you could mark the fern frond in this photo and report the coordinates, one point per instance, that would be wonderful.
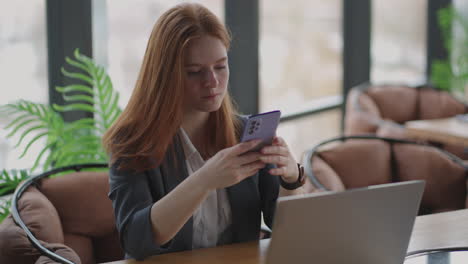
(83, 142)
(445, 16)
(29, 130)
(82, 146)
(78, 64)
(9, 180)
(112, 115)
(74, 107)
(75, 88)
(78, 76)
(77, 141)
(81, 157)
(106, 99)
(78, 97)
(448, 74)
(41, 154)
(441, 74)
(19, 126)
(36, 138)
(17, 119)
(84, 123)
(38, 120)
(100, 97)
(5, 210)
(25, 108)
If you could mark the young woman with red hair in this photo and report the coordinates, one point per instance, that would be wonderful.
(179, 178)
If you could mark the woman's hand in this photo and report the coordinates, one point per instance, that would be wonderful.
(230, 166)
(278, 153)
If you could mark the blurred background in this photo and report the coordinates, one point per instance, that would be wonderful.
(299, 56)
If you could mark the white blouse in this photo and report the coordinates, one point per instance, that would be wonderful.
(212, 219)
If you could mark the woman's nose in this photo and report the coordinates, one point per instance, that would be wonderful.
(211, 80)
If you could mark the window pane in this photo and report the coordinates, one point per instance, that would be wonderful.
(398, 41)
(300, 52)
(23, 69)
(129, 33)
(304, 133)
(459, 46)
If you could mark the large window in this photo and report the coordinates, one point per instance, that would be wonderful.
(398, 41)
(304, 133)
(300, 60)
(129, 33)
(23, 68)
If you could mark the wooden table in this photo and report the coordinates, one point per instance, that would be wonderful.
(431, 231)
(245, 253)
(440, 230)
(447, 130)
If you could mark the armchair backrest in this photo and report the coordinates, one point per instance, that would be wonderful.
(357, 163)
(68, 219)
(438, 104)
(364, 161)
(368, 106)
(396, 103)
(86, 214)
(445, 176)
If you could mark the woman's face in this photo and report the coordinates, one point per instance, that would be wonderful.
(206, 74)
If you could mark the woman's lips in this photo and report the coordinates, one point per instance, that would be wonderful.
(210, 96)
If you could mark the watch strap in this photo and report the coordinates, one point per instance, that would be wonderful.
(294, 185)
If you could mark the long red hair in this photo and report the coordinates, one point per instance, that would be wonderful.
(147, 127)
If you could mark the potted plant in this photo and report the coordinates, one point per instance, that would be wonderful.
(452, 74)
(67, 143)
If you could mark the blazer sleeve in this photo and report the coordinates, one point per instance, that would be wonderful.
(268, 186)
(132, 200)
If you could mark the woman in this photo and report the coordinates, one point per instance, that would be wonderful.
(179, 179)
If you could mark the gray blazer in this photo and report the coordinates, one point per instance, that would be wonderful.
(133, 194)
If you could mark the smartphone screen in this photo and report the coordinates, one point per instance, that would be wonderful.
(261, 126)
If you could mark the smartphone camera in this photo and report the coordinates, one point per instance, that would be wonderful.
(254, 126)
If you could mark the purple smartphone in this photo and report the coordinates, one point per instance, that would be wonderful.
(261, 126)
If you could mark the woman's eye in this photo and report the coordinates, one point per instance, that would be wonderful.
(193, 72)
(221, 67)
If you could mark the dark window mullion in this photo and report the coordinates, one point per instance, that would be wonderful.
(356, 45)
(242, 19)
(69, 26)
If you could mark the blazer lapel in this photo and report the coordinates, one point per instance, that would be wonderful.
(244, 199)
(174, 169)
(245, 209)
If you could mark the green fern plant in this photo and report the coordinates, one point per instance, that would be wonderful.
(5, 210)
(452, 74)
(37, 121)
(67, 143)
(82, 138)
(11, 179)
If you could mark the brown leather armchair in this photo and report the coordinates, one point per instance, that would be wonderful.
(383, 109)
(357, 161)
(66, 219)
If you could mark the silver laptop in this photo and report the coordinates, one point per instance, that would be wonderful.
(365, 225)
